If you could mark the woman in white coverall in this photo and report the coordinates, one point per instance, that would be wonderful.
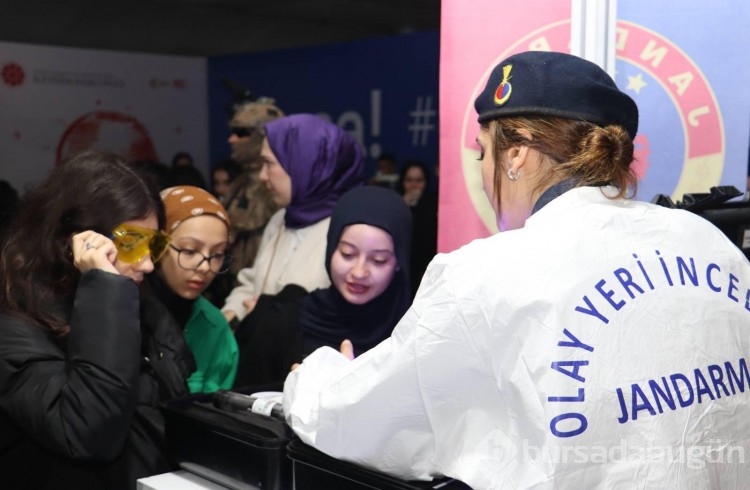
(596, 342)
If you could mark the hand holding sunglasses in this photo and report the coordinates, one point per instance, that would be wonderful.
(92, 250)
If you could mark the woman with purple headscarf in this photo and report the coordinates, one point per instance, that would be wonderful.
(308, 164)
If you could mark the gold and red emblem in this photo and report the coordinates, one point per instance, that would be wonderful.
(502, 93)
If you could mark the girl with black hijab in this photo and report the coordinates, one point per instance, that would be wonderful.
(367, 259)
(331, 315)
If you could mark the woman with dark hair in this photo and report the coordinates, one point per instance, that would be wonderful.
(184, 172)
(415, 186)
(186, 175)
(222, 176)
(182, 159)
(81, 376)
(367, 259)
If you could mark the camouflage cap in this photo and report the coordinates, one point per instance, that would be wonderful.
(255, 114)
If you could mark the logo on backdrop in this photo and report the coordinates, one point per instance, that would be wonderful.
(107, 130)
(13, 74)
(686, 139)
(167, 83)
(77, 79)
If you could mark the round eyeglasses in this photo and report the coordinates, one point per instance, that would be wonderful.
(192, 259)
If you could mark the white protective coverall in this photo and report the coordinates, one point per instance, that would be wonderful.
(604, 345)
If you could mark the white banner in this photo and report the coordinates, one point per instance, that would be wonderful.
(58, 101)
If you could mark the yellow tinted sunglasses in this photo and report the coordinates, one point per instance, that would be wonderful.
(135, 243)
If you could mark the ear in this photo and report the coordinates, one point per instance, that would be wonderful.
(517, 157)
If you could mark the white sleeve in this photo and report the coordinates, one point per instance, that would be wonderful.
(247, 277)
(241, 292)
(306, 267)
(371, 411)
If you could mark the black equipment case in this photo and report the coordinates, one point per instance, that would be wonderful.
(248, 451)
(314, 470)
(241, 451)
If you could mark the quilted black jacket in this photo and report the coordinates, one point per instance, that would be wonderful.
(84, 413)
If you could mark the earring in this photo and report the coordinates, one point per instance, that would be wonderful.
(513, 176)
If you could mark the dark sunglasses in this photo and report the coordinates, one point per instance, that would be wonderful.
(241, 132)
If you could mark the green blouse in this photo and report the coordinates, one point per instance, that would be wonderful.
(215, 350)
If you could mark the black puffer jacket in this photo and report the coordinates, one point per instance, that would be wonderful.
(84, 414)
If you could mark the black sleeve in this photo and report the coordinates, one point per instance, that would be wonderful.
(78, 403)
(269, 339)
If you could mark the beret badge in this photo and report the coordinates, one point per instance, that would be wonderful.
(502, 93)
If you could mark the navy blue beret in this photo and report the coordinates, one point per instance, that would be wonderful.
(555, 84)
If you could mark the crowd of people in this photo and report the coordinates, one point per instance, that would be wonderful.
(116, 300)
(125, 286)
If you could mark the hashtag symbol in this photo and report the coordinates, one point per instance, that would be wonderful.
(421, 118)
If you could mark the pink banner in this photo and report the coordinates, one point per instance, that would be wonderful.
(475, 36)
